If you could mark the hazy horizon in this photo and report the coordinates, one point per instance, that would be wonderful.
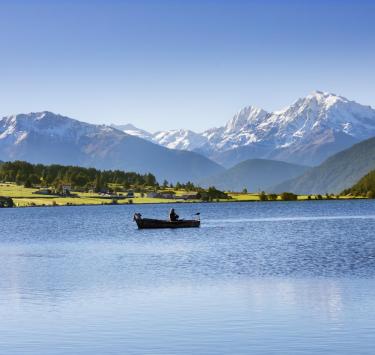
(169, 64)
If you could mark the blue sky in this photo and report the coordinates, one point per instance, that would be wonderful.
(181, 64)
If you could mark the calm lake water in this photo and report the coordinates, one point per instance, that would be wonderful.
(259, 278)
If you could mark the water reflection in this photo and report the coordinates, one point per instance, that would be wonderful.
(273, 280)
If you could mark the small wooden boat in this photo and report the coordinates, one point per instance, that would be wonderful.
(148, 223)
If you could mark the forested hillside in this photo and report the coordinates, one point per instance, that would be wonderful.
(337, 173)
(365, 186)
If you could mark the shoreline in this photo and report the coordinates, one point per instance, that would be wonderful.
(22, 197)
(186, 202)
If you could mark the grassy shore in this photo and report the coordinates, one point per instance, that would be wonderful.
(24, 197)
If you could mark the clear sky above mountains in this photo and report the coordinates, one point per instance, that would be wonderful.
(181, 64)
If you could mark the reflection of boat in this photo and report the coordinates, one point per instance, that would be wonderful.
(148, 223)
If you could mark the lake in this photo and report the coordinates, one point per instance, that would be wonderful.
(259, 278)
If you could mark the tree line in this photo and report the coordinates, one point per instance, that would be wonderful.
(39, 175)
(85, 179)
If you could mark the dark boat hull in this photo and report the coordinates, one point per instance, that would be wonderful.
(148, 223)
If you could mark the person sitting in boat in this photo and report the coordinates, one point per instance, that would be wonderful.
(173, 216)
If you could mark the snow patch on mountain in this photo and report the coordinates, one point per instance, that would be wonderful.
(133, 131)
(182, 139)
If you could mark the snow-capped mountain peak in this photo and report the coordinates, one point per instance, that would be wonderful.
(325, 110)
(303, 129)
(17, 128)
(246, 117)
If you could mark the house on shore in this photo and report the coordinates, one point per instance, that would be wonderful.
(166, 195)
(189, 196)
(130, 194)
(153, 194)
(66, 189)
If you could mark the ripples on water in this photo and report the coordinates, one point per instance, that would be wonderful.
(256, 277)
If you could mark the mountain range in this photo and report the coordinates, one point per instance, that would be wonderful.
(258, 149)
(306, 132)
(48, 138)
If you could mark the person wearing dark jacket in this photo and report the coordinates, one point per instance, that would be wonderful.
(173, 216)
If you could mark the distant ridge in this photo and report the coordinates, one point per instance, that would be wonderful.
(254, 175)
(337, 173)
